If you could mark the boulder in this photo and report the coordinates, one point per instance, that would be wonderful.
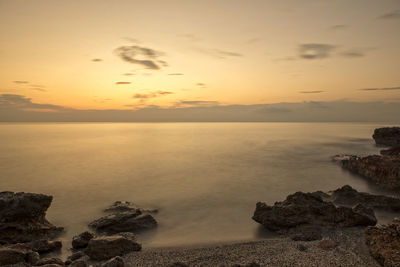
(82, 240)
(79, 263)
(22, 217)
(114, 262)
(388, 136)
(121, 206)
(127, 221)
(107, 247)
(309, 208)
(346, 195)
(48, 261)
(11, 256)
(384, 243)
(384, 171)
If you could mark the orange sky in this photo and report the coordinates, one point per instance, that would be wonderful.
(102, 54)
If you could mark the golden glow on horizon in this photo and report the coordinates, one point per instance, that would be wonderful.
(233, 52)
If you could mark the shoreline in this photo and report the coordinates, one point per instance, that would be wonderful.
(351, 250)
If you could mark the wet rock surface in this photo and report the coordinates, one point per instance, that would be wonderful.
(126, 221)
(309, 208)
(347, 195)
(106, 247)
(82, 240)
(384, 243)
(121, 206)
(388, 136)
(22, 217)
(382, 170)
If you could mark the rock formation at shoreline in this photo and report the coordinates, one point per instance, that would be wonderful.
(310, 209)
(387, 136)
(22, 217)
(384, 243)
(382, 170)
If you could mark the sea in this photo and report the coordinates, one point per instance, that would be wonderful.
(204, 178)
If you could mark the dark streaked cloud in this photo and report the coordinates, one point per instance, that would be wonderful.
(338, 27)
(312, 92)
(197, 103)
(147, 57)
(128, 74)
(357, 52)
(394, 15)
(122, 83)
(39, 89)
(218, 53)
(381, 89)
(201, 85)
(315, 51)
(97, 60)
(175, 74)
(20, 102)
(21, 82)
(151, 95)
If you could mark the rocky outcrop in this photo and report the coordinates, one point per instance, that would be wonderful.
(22, 217)
(107, 247)
(384, 171)
(127, 221)
(11, 256)
(393, 151)
(121, 206)
(348, 196)
(309, 208)
(82, 240)
(388, 136)
(384, 243)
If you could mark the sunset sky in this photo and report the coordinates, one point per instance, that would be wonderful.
(126, 54)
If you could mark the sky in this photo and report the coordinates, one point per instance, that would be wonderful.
(184, 55)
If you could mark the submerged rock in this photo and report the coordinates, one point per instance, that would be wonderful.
(384, 171)
(346, 195)
(107, 247)
(82, 240)
(384, 243)
(309, 208)
(22, 217)
(388, 136)
(127, 221)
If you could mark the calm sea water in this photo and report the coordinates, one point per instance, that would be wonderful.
(205, 178)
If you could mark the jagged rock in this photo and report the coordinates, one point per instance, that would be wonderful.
(79, 263)
(346, 195)
(106, 247)
(394, 151)
(388, 136)
(309, 208)
(11, 256)
(384, 171)
(82, 240)
(384, 243)
(40, 246)
(121, 206)
(127, 221)
(76, 255)
(22, 217)
(114, 262)
(48, 261)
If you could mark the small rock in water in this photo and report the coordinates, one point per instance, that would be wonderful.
(106, 247)
(82, 240)
(327, 244)
(114, 262)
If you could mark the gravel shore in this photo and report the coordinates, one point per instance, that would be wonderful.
(350, 251)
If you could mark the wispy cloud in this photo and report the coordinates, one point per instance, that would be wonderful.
(197, 103)
(203, 85)
(21, 82)
(394, 15)
(122, 83)
(147, 57)
(338, 27)
(175, 74)
(312, 92)
(97, 60)
(357, 52)
(128, 74)
(381, 89)
(218, 53)
(151, 95)
(315, 50)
